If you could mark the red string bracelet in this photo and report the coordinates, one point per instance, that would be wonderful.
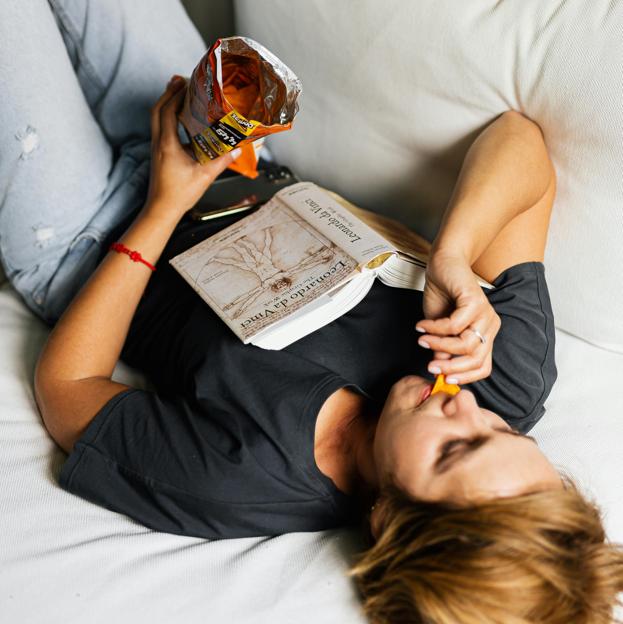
(135, 256)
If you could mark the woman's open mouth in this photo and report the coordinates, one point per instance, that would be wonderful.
(425, 394)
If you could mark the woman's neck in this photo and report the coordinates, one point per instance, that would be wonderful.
(343, 444)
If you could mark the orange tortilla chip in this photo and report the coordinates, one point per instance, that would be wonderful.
(442, 386)
(246, 163)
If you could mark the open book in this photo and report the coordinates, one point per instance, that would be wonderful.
(300, 261)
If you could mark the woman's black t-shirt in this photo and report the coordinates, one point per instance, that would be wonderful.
(225, 446)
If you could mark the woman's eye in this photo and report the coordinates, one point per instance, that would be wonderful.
(448, 447)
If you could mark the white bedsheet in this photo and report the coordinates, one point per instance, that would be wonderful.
(63, 559)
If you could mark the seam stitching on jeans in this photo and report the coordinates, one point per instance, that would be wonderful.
(88, 233)
(138, 178)
(74, 35)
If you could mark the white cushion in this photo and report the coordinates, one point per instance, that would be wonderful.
(394, 93)
(83, 559)
(82, 554)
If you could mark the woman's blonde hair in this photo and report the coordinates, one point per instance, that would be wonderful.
(540, 558)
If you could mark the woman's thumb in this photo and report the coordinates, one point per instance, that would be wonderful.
(462, 316)
(218, 165)
(229, 158)
(234, 154)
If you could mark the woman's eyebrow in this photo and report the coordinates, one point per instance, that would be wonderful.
(470, 446)
(518, 434)
(467, 446)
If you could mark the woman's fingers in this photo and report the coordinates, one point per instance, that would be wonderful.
(474, 364)
(215, 167)
(169, 138)
(462, 370)
(460, 364)
(475, 374)
(466, 343)
(174, 85)
(168, 117)
(454, 324)
(468, 340)
(474, 358)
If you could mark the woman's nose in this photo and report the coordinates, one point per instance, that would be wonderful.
(463, 406)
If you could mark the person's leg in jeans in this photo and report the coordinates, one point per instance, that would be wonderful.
(123, 54)
(74, 165)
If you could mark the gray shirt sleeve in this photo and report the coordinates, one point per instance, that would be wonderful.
(524, 367)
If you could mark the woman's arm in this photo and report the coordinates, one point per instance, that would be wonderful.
(507, 172)
(73, 374)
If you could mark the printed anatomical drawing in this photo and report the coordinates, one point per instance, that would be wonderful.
(257, 258)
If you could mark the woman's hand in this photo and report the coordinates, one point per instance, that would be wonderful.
(177, 180)
(454, 301)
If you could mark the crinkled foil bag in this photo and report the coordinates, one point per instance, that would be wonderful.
(238, 93)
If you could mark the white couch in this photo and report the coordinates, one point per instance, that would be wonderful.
(394, 92)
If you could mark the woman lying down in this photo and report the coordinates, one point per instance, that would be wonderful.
(467, 519)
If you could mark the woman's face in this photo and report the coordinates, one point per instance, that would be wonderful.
(447, 448)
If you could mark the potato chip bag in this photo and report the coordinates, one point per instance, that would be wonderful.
(238, 93)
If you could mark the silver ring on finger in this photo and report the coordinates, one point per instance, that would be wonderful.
(480, 336)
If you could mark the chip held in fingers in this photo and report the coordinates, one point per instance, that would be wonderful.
(442, 386)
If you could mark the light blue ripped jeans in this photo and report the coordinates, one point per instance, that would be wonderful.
(77, 80)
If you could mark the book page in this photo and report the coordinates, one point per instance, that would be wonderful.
(263, 268)
(327, 215)
(407, 242)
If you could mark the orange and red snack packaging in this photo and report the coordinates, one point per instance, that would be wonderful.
(238, 93)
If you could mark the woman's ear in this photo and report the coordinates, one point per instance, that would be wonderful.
(378, 517)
